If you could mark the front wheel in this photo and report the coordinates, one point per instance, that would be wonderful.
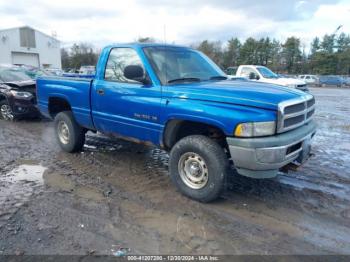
(70, 135)
(198, 167)
(6, 111)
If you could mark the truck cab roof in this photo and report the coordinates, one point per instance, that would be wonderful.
(141, 45)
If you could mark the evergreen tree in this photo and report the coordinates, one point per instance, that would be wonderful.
(315, 45)
(232, 53)
(292, 55)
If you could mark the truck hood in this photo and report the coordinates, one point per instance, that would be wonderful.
(283, 81)
(248, 93)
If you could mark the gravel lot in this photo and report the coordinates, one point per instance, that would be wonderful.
(117, 195)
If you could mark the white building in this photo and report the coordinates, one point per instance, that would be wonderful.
(27, 46)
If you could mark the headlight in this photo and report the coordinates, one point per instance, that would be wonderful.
(254, 129)
(19, 94)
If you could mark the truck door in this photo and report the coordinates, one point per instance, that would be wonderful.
(122, 106)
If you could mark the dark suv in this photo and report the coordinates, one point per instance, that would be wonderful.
(17, 94)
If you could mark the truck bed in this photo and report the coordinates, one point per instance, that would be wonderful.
(75, 91)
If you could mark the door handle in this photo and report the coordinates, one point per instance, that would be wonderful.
(101, 92)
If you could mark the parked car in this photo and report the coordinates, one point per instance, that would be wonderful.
(87, 70)
(17, 94)
(231, 71)
(55, 71)
(310, 79)
(34, 72)
(346, 81)
(265, 75)
(237, 78)
(72, 71)
(83, 72)
(330, 81)
(287, 76)
(68, 74)
(178, 99)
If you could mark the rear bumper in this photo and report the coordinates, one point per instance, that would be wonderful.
(263, 157)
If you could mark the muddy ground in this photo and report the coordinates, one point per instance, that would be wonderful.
(116, 194)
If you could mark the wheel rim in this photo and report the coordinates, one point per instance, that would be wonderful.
(63, 132)
(6, 112)
(193, 170)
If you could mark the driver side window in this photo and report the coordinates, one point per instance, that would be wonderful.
(118, 59)
(246, 72)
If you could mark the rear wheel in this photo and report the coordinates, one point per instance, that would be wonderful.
(198, 167)
(6, 111)
(70, 136)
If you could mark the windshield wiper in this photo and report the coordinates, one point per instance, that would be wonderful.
(218, 78)
(184, 79)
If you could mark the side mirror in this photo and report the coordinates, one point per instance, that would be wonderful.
(253, 76)
(136, 73)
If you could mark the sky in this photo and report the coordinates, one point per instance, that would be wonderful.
(102, 22)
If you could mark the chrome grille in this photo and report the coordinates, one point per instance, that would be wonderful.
(294, 113)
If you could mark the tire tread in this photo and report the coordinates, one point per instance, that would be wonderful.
(78, 132)
(219, 163)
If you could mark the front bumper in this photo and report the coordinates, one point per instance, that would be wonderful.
(24, 107)
(263, 157)
(304, 89)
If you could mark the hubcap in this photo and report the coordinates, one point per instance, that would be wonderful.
(6, 112)
(193, 170)
(63, 132)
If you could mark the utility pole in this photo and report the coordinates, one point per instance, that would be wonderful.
(335, 33)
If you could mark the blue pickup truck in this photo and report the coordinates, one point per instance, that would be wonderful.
(176, 98)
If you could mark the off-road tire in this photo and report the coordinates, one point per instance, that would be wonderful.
(216, 162)
(76, 137)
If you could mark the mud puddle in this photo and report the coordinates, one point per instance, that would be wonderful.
(18, 185)
(25, 173)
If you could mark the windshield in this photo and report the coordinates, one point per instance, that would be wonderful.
(176, 63)
(266, 73)
(13, 75)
